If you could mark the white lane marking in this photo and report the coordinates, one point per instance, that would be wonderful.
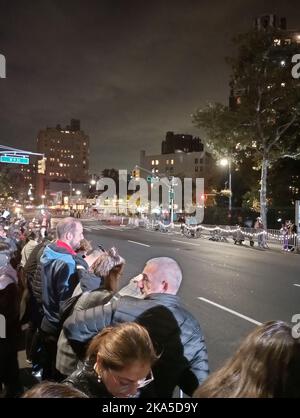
(184, 242)
(231, 311)
(295, 284)
(139, 243)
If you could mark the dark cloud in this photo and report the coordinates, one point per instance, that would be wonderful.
(130, 70)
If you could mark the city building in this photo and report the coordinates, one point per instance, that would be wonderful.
(285, 43)
(182, 156)
(67, 156)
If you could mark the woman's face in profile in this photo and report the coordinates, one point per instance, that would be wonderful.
(125, 382)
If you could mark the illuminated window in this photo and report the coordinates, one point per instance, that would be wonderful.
(167, 162)
(277, 42)
(172, 161)
(156, 162)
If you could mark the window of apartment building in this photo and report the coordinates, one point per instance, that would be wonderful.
(196, 168)
(200, 169)
(167, 161)
(196, 160)
(201, 161)
(172, 162)
(156, 162)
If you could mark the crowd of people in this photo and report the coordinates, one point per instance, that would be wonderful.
(86, 338)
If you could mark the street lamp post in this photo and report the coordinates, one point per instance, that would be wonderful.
(224, 162)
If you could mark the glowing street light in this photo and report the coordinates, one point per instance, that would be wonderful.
(224, 162)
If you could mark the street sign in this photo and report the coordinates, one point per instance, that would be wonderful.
(10, 159)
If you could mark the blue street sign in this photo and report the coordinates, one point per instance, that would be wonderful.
(13, 159)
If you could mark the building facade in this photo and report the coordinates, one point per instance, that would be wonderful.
(67, 155)
(285, 43)
(66, 151)
(182, 156)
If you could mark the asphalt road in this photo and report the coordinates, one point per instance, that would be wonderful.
(239, 286)
(257, 284)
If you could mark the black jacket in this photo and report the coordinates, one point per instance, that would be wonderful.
(175, 333)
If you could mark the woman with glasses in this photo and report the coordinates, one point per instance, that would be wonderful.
(118, 364)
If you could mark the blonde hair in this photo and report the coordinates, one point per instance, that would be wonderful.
(117, 347)
(266, 365)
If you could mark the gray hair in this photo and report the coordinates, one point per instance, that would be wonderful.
(66, 225)
(167, 267)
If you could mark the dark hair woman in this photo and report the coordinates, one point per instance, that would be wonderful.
(266, 365)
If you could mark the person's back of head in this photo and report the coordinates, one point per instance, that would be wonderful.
(266, 365)
(53, 390)
(109, 266)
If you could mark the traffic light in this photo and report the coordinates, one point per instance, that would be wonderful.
(42, 166)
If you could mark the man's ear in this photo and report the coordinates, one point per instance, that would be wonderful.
(69, 236)
(165, 286)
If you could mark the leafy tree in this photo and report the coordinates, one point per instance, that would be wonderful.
(264, 120)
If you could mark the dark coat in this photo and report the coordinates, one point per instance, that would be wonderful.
(175, 333)
(59, 279)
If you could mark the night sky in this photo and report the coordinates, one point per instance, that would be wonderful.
(130, 70)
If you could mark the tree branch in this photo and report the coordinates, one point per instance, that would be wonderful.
(280, 131)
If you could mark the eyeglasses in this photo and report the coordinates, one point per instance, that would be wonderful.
(139, 383)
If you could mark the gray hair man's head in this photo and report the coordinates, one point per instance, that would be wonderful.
(65, 226)
(168, 269)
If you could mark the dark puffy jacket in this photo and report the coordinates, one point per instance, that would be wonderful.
(66, 357)
(32, 271)
(59, 279)
(175, 333)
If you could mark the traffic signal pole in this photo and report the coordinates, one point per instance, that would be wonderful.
(171, 188)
